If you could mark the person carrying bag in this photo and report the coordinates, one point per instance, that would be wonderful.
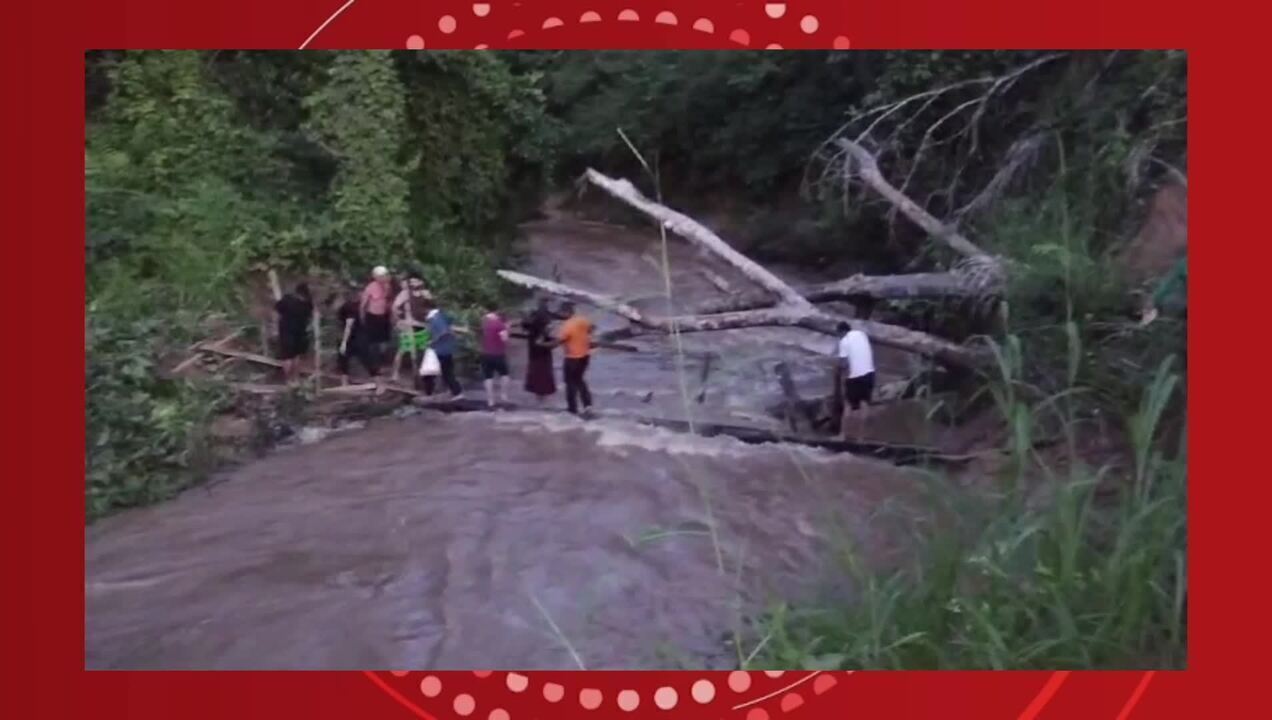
(430, 369)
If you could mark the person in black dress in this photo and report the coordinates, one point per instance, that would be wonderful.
(540, 381)
(294, 312)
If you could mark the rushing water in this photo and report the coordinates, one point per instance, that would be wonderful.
(516, 539)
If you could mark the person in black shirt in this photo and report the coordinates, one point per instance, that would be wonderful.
(354, 341)
(294, 312)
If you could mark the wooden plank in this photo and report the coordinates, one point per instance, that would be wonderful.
(222, 342)
(258, 388)
(251, 357)
(351, 389)
(185, 364)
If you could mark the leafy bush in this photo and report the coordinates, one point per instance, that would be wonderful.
(199, 166)
(144, 433)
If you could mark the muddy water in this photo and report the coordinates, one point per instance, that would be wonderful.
(518, 539)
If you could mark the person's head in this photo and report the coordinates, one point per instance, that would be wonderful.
(543, 304)
(302, 291)
(844, 328)
(381, 274)
(567, 308)
(415, 281)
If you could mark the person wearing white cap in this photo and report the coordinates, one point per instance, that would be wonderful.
(374, 310)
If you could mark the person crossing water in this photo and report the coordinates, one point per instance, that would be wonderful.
(856, 361)
(576, 336)
(294, 311)
(442, 341)
(353, 338)
(540, 380)
(494, 355)
(374, 312)
(410, 309)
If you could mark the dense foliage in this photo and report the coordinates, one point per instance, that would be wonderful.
(201, 166)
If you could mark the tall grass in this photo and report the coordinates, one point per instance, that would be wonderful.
(1057, 565)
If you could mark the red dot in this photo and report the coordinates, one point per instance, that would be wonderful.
(415, 42)
(791, 701)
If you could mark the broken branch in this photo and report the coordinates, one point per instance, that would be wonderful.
(868, 171)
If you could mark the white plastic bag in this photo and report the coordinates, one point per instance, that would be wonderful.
(431, 366)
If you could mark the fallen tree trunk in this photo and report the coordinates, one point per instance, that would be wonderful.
(693, 231)
(877, 287)
(809, 318)
(604, 302)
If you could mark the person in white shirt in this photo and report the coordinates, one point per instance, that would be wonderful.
(856, 362)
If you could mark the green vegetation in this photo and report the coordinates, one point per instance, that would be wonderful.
(1043, 570)
(203, 166)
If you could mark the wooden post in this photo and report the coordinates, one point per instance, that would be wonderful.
(274, 286)
(277, 291)
(410, 327)
(265, 338)
(317, 351)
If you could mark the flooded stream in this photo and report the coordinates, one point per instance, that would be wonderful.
(520, 539)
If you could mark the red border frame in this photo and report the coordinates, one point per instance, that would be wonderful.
(41, 127)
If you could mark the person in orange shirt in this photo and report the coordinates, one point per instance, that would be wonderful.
(576, 336)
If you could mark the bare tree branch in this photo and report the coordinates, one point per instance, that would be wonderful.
(693, 231)
(867, 169)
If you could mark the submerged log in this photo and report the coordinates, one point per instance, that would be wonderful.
(895, 453)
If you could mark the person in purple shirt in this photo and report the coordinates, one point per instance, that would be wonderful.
(494, 355)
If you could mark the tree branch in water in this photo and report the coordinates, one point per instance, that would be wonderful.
(808, 317)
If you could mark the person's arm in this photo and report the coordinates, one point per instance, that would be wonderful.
(348, 333)
(362, 306)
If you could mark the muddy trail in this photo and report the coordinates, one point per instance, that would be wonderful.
(526, 539)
